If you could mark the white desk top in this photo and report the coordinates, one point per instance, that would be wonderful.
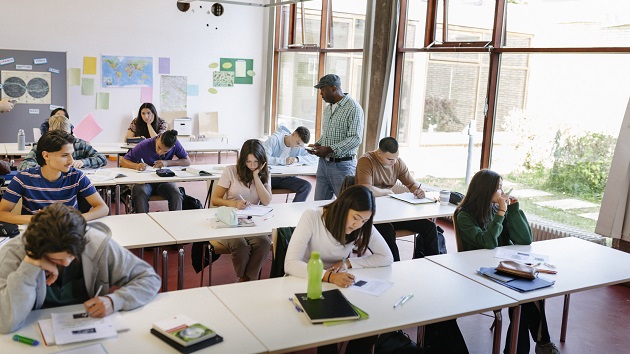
(208, 146)
(581, 265)
(287, 171)
(136, 230)
(389, 209)
(254, 303)
(135, 177)
(12, 149)
(198, 303)
(111, 148)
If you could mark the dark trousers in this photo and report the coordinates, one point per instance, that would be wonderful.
(426, 242)
(534, 322)
(300, 187)
(361, 345)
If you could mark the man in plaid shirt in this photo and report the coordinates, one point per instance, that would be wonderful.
(342, 133)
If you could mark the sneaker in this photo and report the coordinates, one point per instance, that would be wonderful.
(547, 348)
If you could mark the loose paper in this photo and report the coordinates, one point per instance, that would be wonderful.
(87, 86)
(74, 76)
(146, 94)
(520, 256)
(79, 327)
(193, 90)
(374, 287)
(102, 100)
(88, 127)
(89, 65)
(165, 65)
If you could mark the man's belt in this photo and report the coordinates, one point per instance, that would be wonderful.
(338, 159)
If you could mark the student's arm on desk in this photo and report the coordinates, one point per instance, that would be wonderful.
(381, 254)
(7, 216)
(178, 162)
(132, 165)
(99, 208)
(364, 177)
(218, 200)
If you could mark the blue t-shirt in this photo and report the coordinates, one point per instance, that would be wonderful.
(146, 150)
(37, 192)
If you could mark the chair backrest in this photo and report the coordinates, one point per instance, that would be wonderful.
(37, 133)
(208, 123)
(458, 239)
(280, 238)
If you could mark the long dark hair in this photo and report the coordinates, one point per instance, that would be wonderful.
(358, 198)
(141, 125)
(478, 199)
(245, 175)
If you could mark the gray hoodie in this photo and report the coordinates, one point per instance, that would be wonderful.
(106, 263)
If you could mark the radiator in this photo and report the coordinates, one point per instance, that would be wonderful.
(546, 230)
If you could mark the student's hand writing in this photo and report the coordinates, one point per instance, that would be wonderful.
(77, 164)
(159, 164)
(337, 267)
(99, 306)
(141, 166)
(49, 268)
(290, 160)
(343, 279)
(419, 193)
(242, 204)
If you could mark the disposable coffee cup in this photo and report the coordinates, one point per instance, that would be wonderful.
(445, 196)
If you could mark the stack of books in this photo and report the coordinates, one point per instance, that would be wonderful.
(184, 334)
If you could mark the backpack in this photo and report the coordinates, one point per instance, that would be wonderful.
(196, 254)
(396, 342)
(189, 202)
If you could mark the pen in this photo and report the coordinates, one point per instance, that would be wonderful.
(402, 298)
(297, 308)
(407, 298)
(25, 340)
(345, 266)
(98, 291)
(243, 199)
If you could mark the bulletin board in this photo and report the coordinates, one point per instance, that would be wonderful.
(37, 80)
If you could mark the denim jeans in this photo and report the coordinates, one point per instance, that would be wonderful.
(300, 187)
(140, 194)
(330, 175)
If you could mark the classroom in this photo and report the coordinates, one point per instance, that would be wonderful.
(542, 102)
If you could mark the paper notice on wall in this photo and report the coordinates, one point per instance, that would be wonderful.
(87, 86)
(146, 94)
(240, 69)
(74, 76)
(89, 65)
(102, 100)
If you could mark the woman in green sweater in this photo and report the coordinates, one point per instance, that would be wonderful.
(487, 218)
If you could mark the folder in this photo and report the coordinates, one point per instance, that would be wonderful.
(519, 284)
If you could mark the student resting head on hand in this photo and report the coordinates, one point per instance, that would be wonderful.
(147, 124)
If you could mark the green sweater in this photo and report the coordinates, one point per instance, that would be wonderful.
(512, 228)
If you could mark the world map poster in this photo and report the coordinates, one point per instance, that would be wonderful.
(121, 71)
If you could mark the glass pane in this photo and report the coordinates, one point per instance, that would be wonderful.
(312, 22)
(556, 131)
(571, 23)
(470, 15)
(439, 99)
(296, 95)
(348, 66)
(416, 19)
(348, 27)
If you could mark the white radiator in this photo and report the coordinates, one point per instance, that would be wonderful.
(546, 230)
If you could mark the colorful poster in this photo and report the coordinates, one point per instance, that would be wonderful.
(89, 65)
(27, 87)
(164, 65)
(242, 69)
(223, 78)
(120, 71)
(173, 93)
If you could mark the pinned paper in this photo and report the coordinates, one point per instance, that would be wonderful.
(6, 61)
(53, 70)
(74, 77)
(146, 94)
(89, 65)
(165, 65)
(88, 128)
(40, 61)
(193, 90)
(23, 67)
(102, 100)
(87, 86)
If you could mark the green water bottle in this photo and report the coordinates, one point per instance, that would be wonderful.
(315, 270)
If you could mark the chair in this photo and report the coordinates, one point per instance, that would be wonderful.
(36, 134)
(458, 239)
(280, 238)
(282, 191)
(215, 248)
(128, 202)
(209, 126)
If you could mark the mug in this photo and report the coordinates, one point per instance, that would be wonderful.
(445, 196)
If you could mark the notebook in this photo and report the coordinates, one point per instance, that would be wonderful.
(410, 198)
(514, 283)
(333, 306)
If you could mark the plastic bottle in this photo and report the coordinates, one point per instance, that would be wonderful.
(315, 269)
(21, 140)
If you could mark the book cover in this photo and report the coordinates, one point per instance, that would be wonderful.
(333, 306)
(191, 348)
(183, 330)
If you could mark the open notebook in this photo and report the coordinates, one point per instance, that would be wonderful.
(409, 198)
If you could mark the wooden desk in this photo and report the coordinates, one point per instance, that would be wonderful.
(198, 303)
(581, 265)
(254, 303)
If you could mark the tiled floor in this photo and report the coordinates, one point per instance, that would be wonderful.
(598, 319)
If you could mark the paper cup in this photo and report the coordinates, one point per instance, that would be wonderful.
(445, 196)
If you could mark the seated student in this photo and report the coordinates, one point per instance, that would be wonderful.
(240, 185)
(55, 112)
(53, 181)
(487, 218)
(84, 154)
(379, 170)
(157, 152)
(61, 260)
(147, 124)
(333, 230)
(285, 148)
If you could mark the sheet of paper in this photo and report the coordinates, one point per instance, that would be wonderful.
(164, 65)
(240, 68)
(374, 287)
(89, 65)
(88, 128)
(87, 86)
(74, 76)
(78, 327)
(48, 335)
(193, 90)
(254, 210)
(102, 100)
(146, 94)
(520, 256)
(96, 348)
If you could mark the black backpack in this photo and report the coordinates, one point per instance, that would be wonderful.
(189, 202)
(396, 342)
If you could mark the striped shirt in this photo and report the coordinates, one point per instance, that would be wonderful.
(82, 151)
(342, 129)
(37, 192)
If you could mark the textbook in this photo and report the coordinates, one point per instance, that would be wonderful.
(409, 198)
(333, 306)
(519, 284)
(185, 334)
(103, 174)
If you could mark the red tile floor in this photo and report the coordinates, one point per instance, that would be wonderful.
(598, 319)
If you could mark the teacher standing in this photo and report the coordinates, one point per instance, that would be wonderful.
(342, 133)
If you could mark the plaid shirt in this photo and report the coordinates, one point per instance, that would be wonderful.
(343, 129)
(82, 151)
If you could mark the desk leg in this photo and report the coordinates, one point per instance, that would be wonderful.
(141, 253)
(516, 319)
(118, 199)
(164, 271)
(219, 160)
(180, 269)
(156, 258)
(208, 201)
(565, 318)
(496, 341)
(420, 336)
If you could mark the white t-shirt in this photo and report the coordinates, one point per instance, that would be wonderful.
(235, 189)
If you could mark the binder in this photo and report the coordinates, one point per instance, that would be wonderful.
(333, 306)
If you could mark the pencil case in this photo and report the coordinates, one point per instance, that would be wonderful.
(517, 269)
(165, 172)
(227, 215)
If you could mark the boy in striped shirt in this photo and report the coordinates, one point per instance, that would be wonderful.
(53, 181)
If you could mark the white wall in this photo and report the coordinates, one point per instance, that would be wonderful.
(148, 28)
